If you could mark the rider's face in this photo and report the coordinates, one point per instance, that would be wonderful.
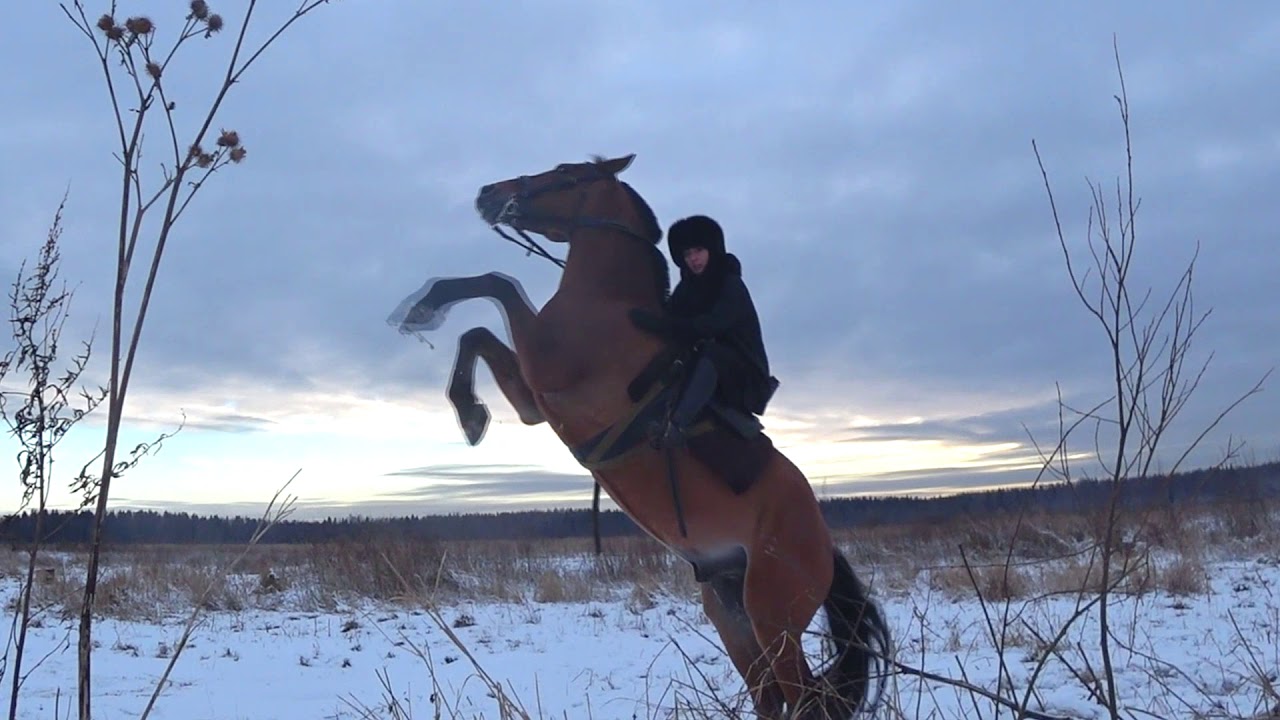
(696, 258)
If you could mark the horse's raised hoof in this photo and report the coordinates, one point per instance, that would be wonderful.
(423, 316)
(420, 311)
(475, 421)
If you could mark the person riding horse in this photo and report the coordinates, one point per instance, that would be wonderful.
(765, 560)
(711, 313)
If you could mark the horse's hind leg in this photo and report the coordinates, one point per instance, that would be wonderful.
(784, 587)
(722, 601)
(475, 344)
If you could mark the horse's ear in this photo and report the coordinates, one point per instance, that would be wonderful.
(618, 164)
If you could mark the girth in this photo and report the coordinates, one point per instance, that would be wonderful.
(656, 387)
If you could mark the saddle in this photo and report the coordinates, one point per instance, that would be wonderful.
(729, 441)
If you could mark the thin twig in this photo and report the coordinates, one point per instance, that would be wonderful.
(272, 515)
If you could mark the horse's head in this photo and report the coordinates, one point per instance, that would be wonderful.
(568, 197)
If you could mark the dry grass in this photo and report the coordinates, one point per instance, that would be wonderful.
(145, 585)
(152, 581)
(1045, 554)
(1072, 576)
(1184, 575)
(995, 583)
(1014, 568)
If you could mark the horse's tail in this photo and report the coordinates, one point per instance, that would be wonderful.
(861, 642)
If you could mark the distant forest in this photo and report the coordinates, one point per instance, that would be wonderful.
(1259, 484)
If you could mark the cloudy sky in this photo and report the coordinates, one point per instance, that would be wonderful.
(872, 165)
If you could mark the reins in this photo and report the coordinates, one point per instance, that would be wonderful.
(530, 245)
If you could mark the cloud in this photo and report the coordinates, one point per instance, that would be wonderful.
(233, 423)
(872, 165)
(495, 485)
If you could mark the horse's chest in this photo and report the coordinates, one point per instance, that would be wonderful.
(572, 333)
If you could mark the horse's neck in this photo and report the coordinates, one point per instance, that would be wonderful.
(603, 263)
(605, 274)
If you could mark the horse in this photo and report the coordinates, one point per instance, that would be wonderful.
(761, 551)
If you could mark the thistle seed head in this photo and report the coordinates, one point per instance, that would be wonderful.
(229, 138)
(139, 25)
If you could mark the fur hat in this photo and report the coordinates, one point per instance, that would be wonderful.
(695, 231)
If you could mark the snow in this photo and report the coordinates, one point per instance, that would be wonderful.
(643, 654)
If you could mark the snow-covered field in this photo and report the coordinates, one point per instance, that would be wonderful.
(1207, 651)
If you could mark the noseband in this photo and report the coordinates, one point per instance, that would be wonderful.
(512, 212)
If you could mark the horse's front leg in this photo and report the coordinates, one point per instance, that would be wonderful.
(473, 416)
(539, 349)
(425, 309)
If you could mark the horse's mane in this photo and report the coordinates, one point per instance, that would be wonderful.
(658, 260)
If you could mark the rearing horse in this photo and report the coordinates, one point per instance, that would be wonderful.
(763, 555)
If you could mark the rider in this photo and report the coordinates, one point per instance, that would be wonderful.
(711, 312)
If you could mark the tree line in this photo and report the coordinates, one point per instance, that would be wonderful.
(1256, 484)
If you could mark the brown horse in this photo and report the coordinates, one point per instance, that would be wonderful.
(761, 550)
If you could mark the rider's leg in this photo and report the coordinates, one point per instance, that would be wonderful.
(697, 391)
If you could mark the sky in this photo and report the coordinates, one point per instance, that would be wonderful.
(872, 166)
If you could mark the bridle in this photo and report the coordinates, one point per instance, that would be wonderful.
(513, 211)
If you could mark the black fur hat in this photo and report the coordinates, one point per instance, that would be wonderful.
(695, 231)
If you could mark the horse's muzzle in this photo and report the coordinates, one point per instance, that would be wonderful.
(493, 206)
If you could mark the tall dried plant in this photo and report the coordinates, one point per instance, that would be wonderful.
(41, 413)
(134, 65)
(1149, 343)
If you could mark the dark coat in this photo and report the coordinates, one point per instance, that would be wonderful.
(714, 311)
